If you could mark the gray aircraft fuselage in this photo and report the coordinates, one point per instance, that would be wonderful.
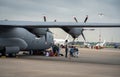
(23, 39)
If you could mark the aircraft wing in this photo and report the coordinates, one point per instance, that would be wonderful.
(31, 24)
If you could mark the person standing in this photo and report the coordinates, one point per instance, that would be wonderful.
(66, 48)
(58, 49)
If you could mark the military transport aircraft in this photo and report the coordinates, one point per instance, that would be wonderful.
(29, 35)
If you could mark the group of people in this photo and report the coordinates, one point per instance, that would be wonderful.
(55, 51)
(72, 51)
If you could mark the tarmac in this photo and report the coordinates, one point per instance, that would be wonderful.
(90, 63)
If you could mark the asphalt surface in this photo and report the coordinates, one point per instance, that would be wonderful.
(90, 63)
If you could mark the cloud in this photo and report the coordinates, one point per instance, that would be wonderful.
(60, 8)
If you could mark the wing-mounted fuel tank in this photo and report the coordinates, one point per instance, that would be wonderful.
(12, 45)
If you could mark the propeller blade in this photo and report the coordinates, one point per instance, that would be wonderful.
(83, 36)
(55, 20)
(46, 38)
(86, 19)
(44, 18)
(75, 19)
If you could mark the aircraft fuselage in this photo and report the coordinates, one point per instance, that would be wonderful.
(23, 39)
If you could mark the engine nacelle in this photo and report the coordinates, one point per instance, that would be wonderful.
(74, 32)
(38, 31)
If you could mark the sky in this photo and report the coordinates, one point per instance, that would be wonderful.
(63, 11)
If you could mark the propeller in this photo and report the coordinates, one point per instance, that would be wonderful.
(44, 17)
(82, 29)
(86, 19)
(85, 29)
